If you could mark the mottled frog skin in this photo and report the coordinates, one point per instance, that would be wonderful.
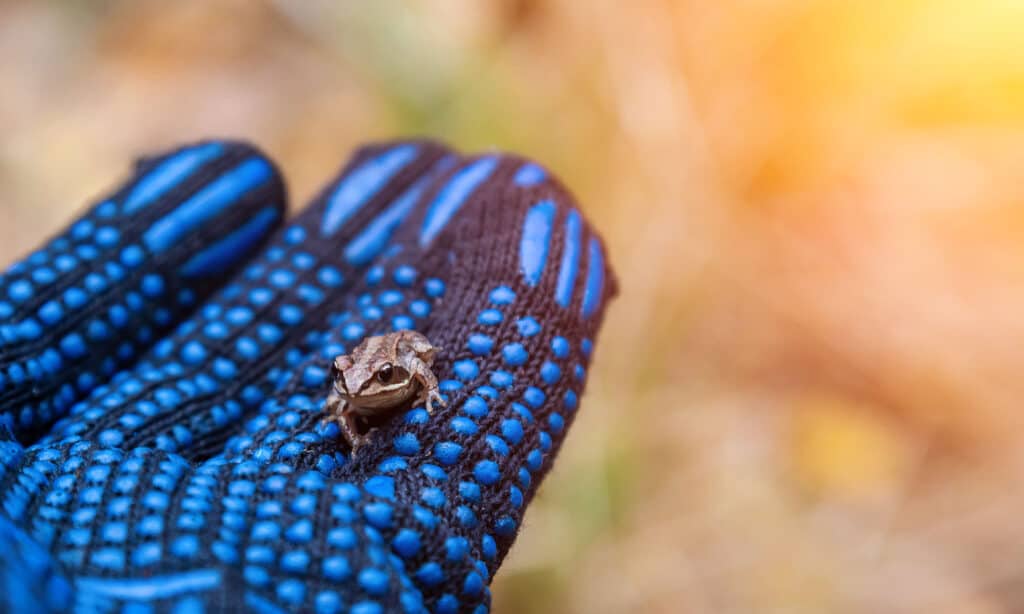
(381, 374)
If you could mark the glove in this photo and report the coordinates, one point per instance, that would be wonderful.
(163, 443)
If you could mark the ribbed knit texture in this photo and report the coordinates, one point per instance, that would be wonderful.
(199, 474)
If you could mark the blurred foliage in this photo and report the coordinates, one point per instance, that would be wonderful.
(806, 398)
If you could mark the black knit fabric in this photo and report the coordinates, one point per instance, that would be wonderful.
(196, 474)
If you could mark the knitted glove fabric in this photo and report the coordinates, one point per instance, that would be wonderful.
(200, 477)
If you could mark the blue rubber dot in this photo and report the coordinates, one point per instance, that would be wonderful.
(570, 401)
(466, 369)
(390, 298)
(528, 327)
(497, 445)
(132, 256)
(337, 567)
(469, 491)
(430, 574)
(111, 437)
(434, 472)
(419, 308)
(378, 515)
(20, 291)
(29, 329)
(238, 316)
(550, 372)
(406, 543)
(73, 346)
(373, 581)
(300, 532)
(147, 554)
(295, 561)
(434, 287)
(466, 517)
(475, 407)
(82, 229)
(556, 422)
(107, 236)
(65, 263)
(418, 415)
(257, 576)
(281, 278)
(447, 452)
(291, 591)
(50, 312)
(107, 209)
(94, 283)
(75, 297)
(502, 295)
(488, 392)
(534, 397)
(456, 549)
(352, 331)
(247, 348)
(374, 275)
(515, 496)
(488, 547)
(185, 546)
(587, 346)
(433, 496)
(490, 317)
(480, 344)
(512, 430)
(380, 486)
(560, 346)
(514, 354)
(473, 584)
(295, 235)
(505, 526)
(152, 285)
(224, 368)
(193, 353)
(314, 376)
(402, 322)
(534, 460)
(501, 379)
(366, 607)
(447, 604)
(463, 426)
(407, 444)
(487, 472)
(290, 315)
(405, 276)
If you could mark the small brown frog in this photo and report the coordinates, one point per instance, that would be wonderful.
(381, 374)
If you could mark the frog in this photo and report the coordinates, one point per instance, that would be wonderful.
(380, 375)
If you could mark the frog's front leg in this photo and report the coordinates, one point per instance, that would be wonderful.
(339, 411)
(429, 393)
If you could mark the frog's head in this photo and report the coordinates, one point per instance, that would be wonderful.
(373, 384)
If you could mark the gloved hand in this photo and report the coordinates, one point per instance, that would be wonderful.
(162, 445)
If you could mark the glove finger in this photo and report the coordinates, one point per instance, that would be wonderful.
(515, 282)
(94, 297)
(238, 347)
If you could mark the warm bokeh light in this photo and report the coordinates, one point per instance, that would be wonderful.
(806, 398)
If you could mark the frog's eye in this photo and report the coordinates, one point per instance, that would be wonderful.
(385, 373)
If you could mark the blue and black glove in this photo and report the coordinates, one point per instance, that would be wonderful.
(162, 445)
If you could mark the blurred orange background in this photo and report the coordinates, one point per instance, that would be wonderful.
(807, 397)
